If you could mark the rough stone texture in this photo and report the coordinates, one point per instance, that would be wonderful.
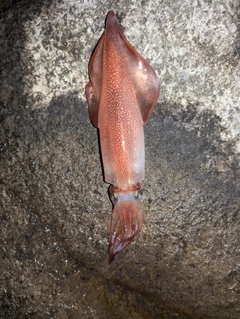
(54, 205)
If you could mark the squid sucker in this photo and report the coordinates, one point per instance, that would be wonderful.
(121, 94)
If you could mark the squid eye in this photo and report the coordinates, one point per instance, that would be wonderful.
(114, 197)
(136, 194)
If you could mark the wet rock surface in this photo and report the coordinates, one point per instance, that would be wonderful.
(54, 205)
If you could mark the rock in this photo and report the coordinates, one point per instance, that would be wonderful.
(54, 203)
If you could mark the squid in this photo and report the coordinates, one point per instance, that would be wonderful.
(121, 94)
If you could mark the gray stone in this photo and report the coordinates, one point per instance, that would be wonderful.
(54, 204)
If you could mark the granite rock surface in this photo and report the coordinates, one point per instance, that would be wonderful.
(54, 204)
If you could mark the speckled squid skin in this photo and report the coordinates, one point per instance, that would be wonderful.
(121, 95)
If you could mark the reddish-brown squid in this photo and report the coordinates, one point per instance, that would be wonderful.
(121, 94)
